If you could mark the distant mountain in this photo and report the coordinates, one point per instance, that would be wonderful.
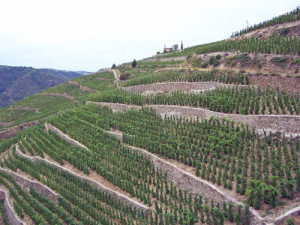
(19, 82)
(65, 73)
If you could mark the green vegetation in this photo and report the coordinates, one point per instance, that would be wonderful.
(222, 152)
(226, 77)
(123, 167)
(14, 79)
(47, 105)
(272, 45)
(69, 89)
(151, 65)
(238, 100)
(287, 17)
(98, 81)
(3, 215)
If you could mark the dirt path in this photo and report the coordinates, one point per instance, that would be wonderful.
(25, 109)
(60, 95)
(167, 59)
(84, 88)
(288, 124)
(281, 218)
(5, 124)
(117, 75)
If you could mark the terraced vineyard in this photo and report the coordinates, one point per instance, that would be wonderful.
(171, 141)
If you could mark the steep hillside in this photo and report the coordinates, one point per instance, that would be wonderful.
(209, 135)
(19, 82)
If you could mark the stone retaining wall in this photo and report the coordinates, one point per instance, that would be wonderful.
(288, 124)
(13, 131)
(63, 135)
(189, 182)
(26, 183)
(122, 197)
(10, 213)
(167, 87)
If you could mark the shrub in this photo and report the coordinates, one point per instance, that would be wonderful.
(134, 63)
(216, 63)
(124, 76)
(218, 57)
(290, 221)
(233, 63)
(212, 59)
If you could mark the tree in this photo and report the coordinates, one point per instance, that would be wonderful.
(113, 66)
(134, 63)
(181, 46)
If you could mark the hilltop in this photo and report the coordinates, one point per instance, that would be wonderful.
(19, 82)
(208, 135)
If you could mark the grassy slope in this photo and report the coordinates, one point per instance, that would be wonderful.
(19, 82)
(49, 105)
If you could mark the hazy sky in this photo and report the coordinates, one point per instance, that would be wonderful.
(92, 34)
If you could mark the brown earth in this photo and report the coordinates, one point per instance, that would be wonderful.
(284, 29)
(84, 88)
(255, 63)
(25, 109)
(61, 95)
(192, 87)
(288, 84)
(13, 131)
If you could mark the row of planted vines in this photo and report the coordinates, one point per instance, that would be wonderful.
(129, 170)
(222, 152)
(239, 100)
(271, 45)
(288, 17)
(189, 76)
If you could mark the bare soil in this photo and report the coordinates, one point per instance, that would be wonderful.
(13, 131)
(61, 95)
(25, 109)
(275, 64)
(84, 88)
(285, 29)
(192, 87)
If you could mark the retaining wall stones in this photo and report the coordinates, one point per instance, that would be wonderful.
(288, 124)
(189, 182)
(26, 183)
(122, 197)
(192, 87)
(10, 214)
(63, 135)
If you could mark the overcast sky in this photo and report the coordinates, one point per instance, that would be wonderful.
(93, 34)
